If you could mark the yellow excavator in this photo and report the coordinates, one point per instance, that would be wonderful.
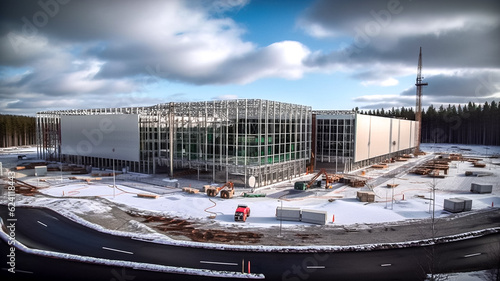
(329, 179)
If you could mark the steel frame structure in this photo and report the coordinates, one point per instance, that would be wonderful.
(335, 139)
(335, 142)
(234, 139)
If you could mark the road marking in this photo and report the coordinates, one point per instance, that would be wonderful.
(472, 255)
(41, 223)
(316, 266)
(23, 271)
(18, 271)
(119, 251)
(220, 263)
(386, 264)
(141, 239)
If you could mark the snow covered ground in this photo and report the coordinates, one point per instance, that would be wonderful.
(76, 197)
(411, 196)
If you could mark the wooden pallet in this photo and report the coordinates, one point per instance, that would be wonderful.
(144, 195)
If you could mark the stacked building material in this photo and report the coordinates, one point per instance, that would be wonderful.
(365, 196)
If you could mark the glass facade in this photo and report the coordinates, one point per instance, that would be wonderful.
(265, 139)
(335, 138)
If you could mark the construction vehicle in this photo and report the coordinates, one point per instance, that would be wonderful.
(242, 213)
(226, 191)
(329, 179)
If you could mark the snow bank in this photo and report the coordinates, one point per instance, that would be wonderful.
(132, 265)
(162, 239)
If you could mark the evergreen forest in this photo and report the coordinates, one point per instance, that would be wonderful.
(468, 124)
(17, 130)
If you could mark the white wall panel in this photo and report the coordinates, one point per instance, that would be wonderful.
(380, 138)
(362, 137)
(406, 134)
(99, 135)
(395, 124)
(377, 136)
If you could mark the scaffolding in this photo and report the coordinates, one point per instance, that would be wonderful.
(232, 139)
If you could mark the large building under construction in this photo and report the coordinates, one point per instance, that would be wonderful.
(345, 140)
(229, 140)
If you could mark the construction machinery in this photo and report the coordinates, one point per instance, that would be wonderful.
(418, 109)
(242, 213)
(226, 191)
(329, 179)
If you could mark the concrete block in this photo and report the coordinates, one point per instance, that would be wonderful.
(288, 214)
(454, 205)
(467, 203)
(314, 216)
(481, 188)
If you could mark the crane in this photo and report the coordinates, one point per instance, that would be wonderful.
(418, 109)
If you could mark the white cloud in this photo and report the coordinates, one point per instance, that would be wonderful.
(225, 97)
(118, 47)
(316, 30)
(384, 83)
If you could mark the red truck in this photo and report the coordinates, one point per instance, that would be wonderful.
(242, 213)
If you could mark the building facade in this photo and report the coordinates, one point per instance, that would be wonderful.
(231, 140)
(346, 140)
(241, 140)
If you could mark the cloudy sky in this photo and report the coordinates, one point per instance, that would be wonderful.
(64, 54)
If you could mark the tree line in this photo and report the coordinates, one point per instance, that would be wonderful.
(461, 124)
(17, 130)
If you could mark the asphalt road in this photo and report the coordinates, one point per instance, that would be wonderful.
(47, 230)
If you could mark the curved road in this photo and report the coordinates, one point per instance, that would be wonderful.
(47, 230)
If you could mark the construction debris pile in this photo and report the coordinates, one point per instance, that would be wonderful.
(476, 162)
(31, 165)
(433, 167)
(328, 178)
(365, 196)
(354, 181)
(22, 187)
(181, 227)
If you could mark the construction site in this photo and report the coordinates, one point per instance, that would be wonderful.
(262, 141)
(252, 173)
(246, 143)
